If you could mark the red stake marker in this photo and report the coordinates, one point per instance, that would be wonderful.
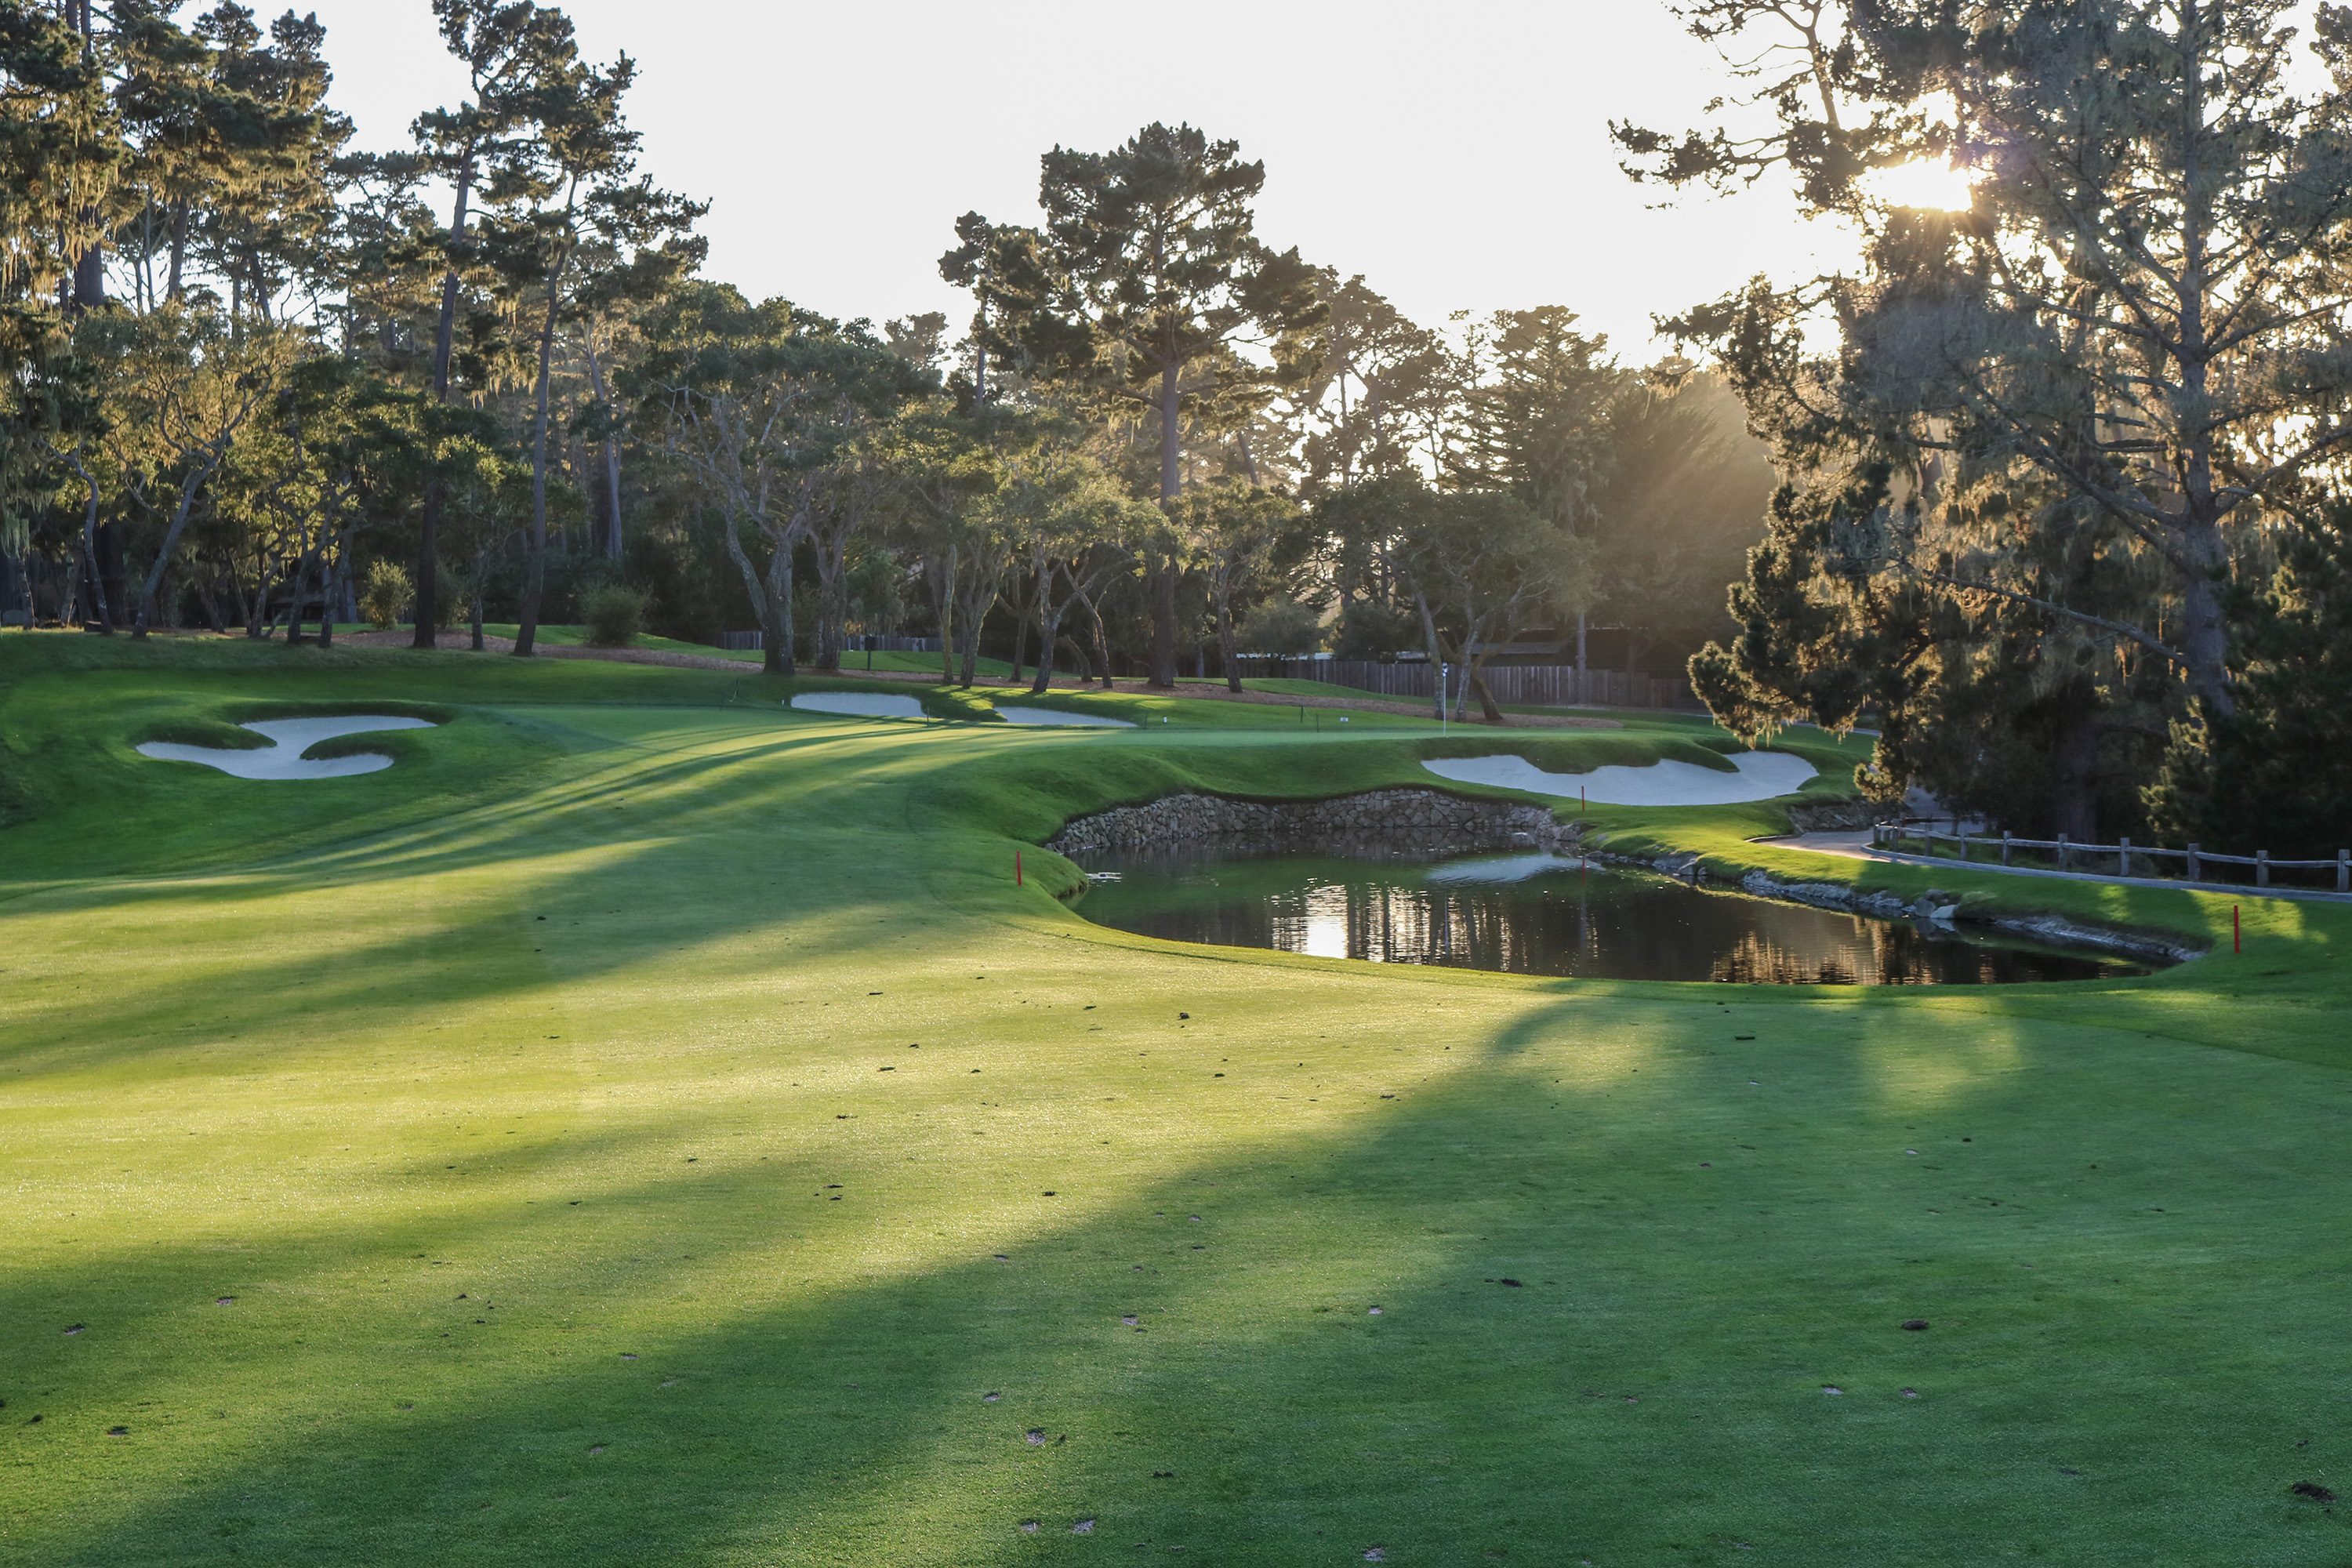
(1016, 868)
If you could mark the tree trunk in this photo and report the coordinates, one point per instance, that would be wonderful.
(973, 615)
(428, 549)
(89, 543)
(1436, 654)
(110, 566)
(775, 620)
(1049, 628)
(535, 576)
(1486, 708)
(611, 455)
(179, 222)
(86, 571)
(2205, 633)
(1041, 599)
(1171, 485)
(330, 581)
(2074, 776)
(1226, 642)
(1102, 637)
(171, 542)
(2205, 628)
(69, 601)
(941, 577)
(1049, 632)
(89, 273)
(294, 602)
(315, 550)
(832, 596)
(479, 571)
(211, 606)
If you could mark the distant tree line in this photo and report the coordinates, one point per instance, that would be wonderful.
(261, 381)
(2062, 509)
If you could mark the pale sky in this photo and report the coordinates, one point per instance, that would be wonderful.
(1456, 155)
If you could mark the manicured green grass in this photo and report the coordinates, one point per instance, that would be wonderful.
(631, 1016)
(577, 637)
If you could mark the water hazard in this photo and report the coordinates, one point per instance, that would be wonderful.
(1537, 914)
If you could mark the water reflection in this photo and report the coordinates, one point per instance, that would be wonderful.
(1540, 915)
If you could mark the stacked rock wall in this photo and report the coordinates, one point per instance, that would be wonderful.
(1424, 818)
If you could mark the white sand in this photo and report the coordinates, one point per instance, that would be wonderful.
(1014, 715)
(1762, 775)
(858, 704)
(288, 739)
(1498, 869)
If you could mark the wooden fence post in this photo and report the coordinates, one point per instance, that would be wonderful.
(2194, 874)
(2004, 846)
(2262, 867)
(2063, 864)
(2123, 857)
(2344, 870)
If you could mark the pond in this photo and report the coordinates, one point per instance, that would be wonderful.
(1538, 914)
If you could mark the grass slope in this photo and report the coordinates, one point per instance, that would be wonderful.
(644, 1126)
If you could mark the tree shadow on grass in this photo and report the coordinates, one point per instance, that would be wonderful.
(696, 857)
(1652, 1388)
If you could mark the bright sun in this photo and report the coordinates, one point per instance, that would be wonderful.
(1927, 184)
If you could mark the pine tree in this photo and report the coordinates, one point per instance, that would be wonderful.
(1152, 266)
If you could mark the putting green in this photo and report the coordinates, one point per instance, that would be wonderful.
(648, 1126)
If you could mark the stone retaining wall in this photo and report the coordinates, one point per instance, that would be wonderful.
(1934, 906)
(2056, 930)
(1422, 818)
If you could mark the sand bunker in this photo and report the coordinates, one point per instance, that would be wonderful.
(1056, 716)
(1762, 775)
(288, 739)
(858, 704)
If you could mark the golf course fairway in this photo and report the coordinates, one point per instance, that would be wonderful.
(646, 1125)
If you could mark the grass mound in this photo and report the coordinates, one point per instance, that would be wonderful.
(648, 1125)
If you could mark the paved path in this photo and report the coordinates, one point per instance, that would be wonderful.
(1856, 845)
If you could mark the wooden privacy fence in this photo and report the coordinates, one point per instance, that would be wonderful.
(2195, 858)
(1535, 685)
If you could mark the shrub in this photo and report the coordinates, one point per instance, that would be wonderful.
(1368, 629)
(2277, 773)
(616, 616)
(387, 592)
(1279, 626)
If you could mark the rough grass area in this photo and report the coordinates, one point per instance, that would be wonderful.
(646, 1126)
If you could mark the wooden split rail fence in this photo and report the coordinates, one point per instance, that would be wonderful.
(1891, 835)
